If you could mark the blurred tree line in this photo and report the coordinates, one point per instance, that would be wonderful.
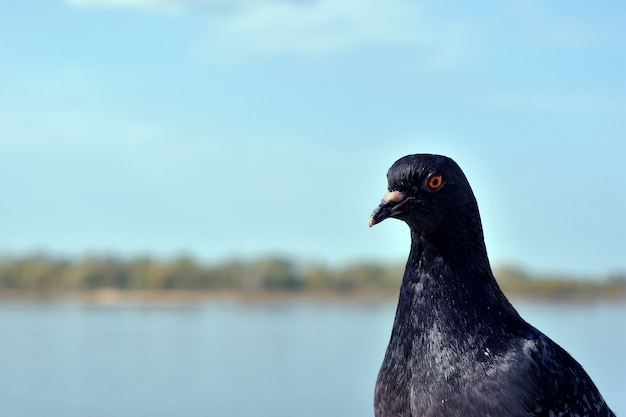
(274, 273)
(47, 274)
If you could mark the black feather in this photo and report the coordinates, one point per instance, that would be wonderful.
(458, 347)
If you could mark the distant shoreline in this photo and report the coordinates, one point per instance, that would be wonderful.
(112, 296)
(117, 296)
(112, 280)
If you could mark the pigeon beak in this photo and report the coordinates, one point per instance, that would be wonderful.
(389, 207)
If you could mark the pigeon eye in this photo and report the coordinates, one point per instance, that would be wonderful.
(435, 182)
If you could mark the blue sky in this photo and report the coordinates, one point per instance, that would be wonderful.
(245, 128)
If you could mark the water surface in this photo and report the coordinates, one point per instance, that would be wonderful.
(281, 358)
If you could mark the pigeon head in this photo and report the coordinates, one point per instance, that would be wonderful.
(428, 192)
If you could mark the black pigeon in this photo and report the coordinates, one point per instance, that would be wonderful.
(458, 347)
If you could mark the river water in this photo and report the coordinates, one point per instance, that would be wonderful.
(227, 358)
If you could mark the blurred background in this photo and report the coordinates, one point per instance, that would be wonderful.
(186, 187)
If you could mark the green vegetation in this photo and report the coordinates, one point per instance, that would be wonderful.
(41, 275)
(516, 283)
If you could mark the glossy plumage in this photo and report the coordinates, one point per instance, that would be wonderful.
(458, 347)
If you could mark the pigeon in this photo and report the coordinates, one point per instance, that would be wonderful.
(458, 347)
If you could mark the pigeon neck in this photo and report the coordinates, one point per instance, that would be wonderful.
(452, 253)
(452, 281)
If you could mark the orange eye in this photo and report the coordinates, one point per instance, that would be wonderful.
(435, 182)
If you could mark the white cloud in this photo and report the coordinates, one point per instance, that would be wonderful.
(238, 30)
(319, 28)
(314, 28)
(158, 6)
